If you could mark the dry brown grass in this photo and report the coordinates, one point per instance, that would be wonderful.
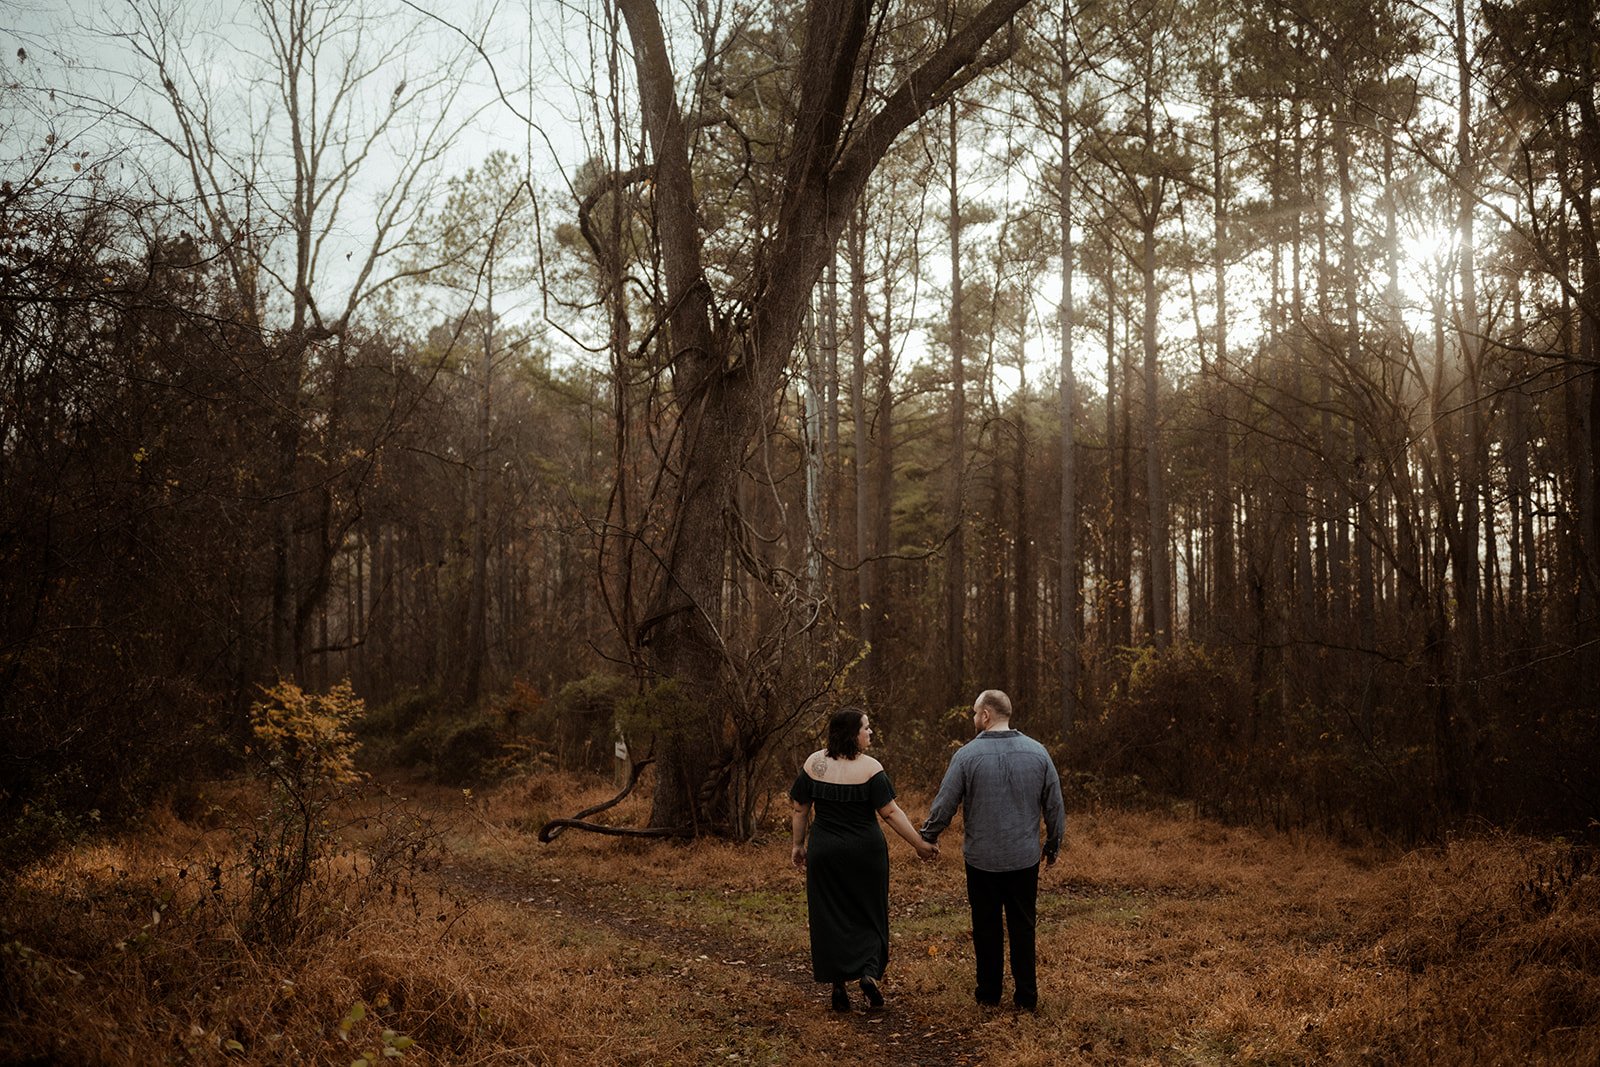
(1163, 940)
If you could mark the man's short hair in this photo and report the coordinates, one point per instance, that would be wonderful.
(995, 701)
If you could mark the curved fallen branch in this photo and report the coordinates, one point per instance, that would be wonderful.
(549, 830)
(555, 826)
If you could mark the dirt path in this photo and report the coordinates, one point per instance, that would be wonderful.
(898, 1035)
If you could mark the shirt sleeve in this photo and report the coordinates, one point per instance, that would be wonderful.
(1055, 812)
(880, 790)
(945, 803)
(800, 792)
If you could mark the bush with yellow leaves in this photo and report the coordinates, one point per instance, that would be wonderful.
(305, 749)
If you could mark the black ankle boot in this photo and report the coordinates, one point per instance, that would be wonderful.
(841, 999)
(869, 986)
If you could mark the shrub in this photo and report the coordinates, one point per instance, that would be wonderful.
(402, 714)
(455, 750)
(1184, 716)
(390, 734)
(93, 754)
(470, 752)
(37, 825)
(583, 719)
(305, 751)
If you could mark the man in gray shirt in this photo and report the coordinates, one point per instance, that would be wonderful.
(1005, 783)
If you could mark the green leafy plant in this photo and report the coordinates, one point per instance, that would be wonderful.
(374, 1042)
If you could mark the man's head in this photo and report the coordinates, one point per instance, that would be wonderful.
(992, 710)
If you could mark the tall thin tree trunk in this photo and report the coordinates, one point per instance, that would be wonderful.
(1271, 579)
(832, 464)
(1125, 488)
(955, 555)
(1024, 581)
(866, 606)
(1068, 624)
(1222, 586)
(815, 440)
(1585, 208)
(1157, 569)
(478, 601)
(883, 465)
(1116, 577)
(1524, 562)
(830, 377)
(1304, 516)
(284, 647)
(1469, 345)
(1357, 498)
(1446, 729)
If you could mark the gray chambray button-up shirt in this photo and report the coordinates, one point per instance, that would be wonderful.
(1004, 782)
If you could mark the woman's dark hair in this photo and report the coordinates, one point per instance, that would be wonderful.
(842, 731)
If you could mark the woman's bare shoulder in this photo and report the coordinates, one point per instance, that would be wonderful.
(862, 769)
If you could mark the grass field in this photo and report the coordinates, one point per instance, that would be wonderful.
(1164, 939)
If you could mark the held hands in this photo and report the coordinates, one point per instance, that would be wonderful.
(927, 851)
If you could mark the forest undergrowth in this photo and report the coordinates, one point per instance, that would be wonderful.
(1164, 939)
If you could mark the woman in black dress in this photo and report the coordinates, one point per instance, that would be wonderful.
(847, 859)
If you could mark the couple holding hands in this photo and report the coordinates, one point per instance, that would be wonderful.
(1004, 783)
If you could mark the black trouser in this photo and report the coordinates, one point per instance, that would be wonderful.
(1016, 895)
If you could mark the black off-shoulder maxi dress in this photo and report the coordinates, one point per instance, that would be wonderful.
(847, 877)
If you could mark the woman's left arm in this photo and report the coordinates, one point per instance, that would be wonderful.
(799, 822)
(891, 814)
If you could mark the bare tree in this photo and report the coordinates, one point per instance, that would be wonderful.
(282, 178)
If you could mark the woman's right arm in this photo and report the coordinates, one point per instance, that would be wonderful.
(892, 814)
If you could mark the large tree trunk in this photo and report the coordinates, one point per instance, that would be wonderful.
(694, 756)
(726, 370)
